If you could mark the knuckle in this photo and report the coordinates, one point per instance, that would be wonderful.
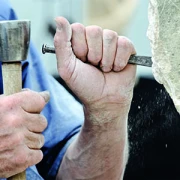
(35, 141)
(33, 97)
(41, 141)
(21, 158)
(14, 120)
(35, 157)
(56, 41)
(27, 93)
(25, 158)
(10, 139)
(11, 101)
(124, 42)
(78, 40)
(77, 27)
(39, 156)
(37, 123)
(109, 35)
(18, 139)
(94, 31)
(40, 103)
(44, 122)
(38, 100)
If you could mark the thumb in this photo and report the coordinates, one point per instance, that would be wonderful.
(64, 53)
(45, 95)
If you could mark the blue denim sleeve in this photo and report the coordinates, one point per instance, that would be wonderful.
(63, 112)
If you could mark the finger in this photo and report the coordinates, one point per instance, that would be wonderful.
(34, 102)
(24, 157)
(44, 94)
(95, 41)
(125, 49)
(109, 49)
(34, 140)
(66, 60)
(130, 73)
(29, 101)
(79, 44)
(34, 156)
(19, 160)
(35, 122)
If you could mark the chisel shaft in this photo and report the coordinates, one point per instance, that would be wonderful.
(134, 59)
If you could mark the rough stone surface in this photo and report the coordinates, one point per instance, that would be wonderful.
(164, 35)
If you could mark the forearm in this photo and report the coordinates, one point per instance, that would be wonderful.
(104, 84)
(100, 152)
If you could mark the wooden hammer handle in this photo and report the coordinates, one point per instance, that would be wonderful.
(20, 176)
(12, 83)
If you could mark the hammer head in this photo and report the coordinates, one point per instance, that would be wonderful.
(14, 40)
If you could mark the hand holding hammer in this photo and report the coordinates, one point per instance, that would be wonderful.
(14, 44)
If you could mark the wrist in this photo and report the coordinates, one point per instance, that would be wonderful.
(101, 147)
(106, 115)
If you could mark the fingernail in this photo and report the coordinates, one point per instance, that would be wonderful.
(45, 95)
(58, 24)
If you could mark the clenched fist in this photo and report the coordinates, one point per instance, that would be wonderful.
(93, 63)
(21, 125)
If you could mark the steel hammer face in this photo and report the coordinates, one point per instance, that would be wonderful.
(14, 40)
